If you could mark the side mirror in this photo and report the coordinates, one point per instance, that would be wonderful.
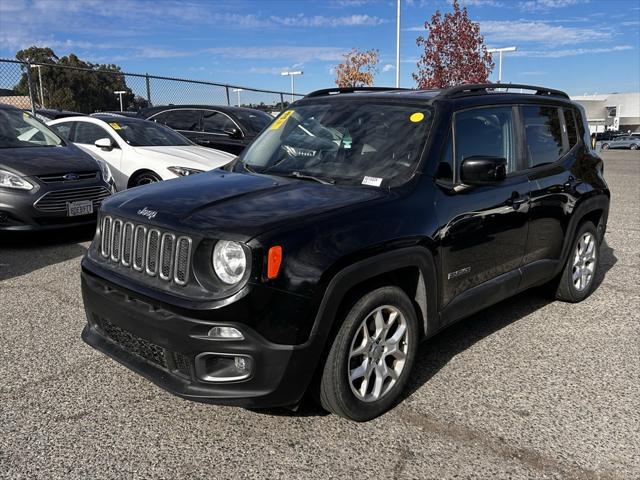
(104, 144)
(481, 170)
(233, 132)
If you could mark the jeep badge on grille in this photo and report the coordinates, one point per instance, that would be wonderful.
(145, 212)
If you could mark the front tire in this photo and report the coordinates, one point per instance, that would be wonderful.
(605, 146)
(371, 357)
(145, 178)
(577, 280)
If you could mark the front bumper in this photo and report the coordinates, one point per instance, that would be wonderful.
(162, 345)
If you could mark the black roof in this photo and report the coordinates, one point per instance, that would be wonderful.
(223, 108)
(108, 117)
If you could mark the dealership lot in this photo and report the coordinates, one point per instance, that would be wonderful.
(526, 389)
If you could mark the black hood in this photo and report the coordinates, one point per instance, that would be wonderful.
(30, 161)
(237, 204)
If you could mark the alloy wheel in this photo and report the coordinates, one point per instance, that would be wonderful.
(584, 262)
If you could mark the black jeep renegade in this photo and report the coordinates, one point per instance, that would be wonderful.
(360, 222)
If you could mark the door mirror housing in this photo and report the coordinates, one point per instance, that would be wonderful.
(483, 170)
(233, 132)
(105, 144)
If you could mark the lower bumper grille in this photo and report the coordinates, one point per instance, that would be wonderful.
(56, 201)
(144, 348)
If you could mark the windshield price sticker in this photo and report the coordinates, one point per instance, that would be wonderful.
(115, 126)
(372, 181)
(280, 121)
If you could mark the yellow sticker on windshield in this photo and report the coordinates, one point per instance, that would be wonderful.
(416, 117)
(115, 126)
(281, 119)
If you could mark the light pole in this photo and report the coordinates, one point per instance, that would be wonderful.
(398, 46)
(120, 93)
(292, 74)
(238, 90)
(500, 51)
(40, 81)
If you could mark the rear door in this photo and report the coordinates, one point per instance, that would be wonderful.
(484, 228)
(216, 128)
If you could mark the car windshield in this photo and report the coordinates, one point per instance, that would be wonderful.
(254, 121)
(144, 133)
(19, 129)
(356, 142)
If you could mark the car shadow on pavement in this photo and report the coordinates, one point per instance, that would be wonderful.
(438, 351)
(24, 252)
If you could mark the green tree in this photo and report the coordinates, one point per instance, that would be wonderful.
(86, 88)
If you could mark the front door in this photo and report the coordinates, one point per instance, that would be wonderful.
(85, 135)
(483, 229)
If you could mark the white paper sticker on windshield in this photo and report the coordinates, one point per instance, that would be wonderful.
(372, 181)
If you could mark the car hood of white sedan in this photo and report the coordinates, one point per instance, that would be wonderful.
(191, 156)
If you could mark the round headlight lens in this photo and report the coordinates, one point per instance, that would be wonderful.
(229, 261)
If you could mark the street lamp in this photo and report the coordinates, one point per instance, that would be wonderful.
(500, 50)
(292, 74)
(398, 46)
(40, 80)
(120, 93)
(238, 90)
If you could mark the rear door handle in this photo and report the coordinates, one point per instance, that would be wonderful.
(516, 200)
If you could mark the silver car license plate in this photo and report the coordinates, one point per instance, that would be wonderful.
(83, 207)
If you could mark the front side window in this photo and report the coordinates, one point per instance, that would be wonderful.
(486, 132)
(188, 120)
(253, 121)
(19, 129)
(142, 133)
(543, 135)
(62, 129)
(88, 133)
(216, 122)
(353, 142)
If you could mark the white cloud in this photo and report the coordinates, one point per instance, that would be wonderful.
(292, 53)
(388, 67)
(570, 52)
(541, 5)
(303, 21)
(535, 31)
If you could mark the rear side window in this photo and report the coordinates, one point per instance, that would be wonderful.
(62, 129)
(88, 133)
(570, 122)
(543, 134)
(216, 122)
(188, 120)
(486, 132)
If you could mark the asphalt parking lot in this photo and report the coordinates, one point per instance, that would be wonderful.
(529, 388)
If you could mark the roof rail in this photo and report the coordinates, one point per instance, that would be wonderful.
(338, 90)
(474, 89)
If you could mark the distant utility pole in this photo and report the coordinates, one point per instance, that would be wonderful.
(120, 93)
(398, 46)
(40, 81)
(500, 51)
(238, 90)
(292, 74)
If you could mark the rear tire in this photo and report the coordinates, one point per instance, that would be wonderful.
(371, 357)
(634, 146)
(605, 146)
(577, 280)
(145, 178)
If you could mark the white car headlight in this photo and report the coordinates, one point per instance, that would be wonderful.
(184, 171)
(105, 170)
(11, 180)
(229, 261)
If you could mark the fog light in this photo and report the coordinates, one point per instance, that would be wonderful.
(226, 333)
(221, 367)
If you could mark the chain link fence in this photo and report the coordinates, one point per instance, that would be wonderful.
(85, 90)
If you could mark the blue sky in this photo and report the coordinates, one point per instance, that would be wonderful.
(576, 45)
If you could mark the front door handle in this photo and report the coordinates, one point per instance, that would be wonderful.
(516, 200)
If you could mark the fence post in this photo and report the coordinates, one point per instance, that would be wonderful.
(281, 102)
(33, 104)
(146, 77)
(226, 87)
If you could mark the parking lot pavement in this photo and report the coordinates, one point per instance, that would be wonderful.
(529, 388)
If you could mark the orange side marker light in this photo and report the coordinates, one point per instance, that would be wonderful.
(274, 259)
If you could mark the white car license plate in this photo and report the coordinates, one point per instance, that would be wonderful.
(84, 207)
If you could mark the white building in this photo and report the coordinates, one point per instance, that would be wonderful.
(612, 111)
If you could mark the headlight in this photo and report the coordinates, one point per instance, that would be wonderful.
(184, 171)
(229, 261)
(104, 168)
(10, 180)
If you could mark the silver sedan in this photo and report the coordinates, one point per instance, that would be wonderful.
(626, 141)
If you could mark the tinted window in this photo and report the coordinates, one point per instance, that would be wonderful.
(62, 129)
(147, 134)
(543, 134)
(215, 122)
(180, 119)
(572, 133)
(253, 121)
(486, 132)
(88, 133)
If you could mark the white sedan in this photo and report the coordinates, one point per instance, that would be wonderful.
(138, 151)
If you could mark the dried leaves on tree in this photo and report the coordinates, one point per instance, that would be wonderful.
(358, 69)
(454, 51)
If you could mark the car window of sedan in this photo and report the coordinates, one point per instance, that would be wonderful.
(186, 120)
(62, 129)
(216, 122)
(88, 133)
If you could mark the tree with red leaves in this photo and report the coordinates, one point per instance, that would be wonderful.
(358, 69)
(454, 51)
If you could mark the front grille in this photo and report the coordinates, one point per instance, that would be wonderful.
(67, 177)
(146, 250)
(56, 200)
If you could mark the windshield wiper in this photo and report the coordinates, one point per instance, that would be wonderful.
(304, 176)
